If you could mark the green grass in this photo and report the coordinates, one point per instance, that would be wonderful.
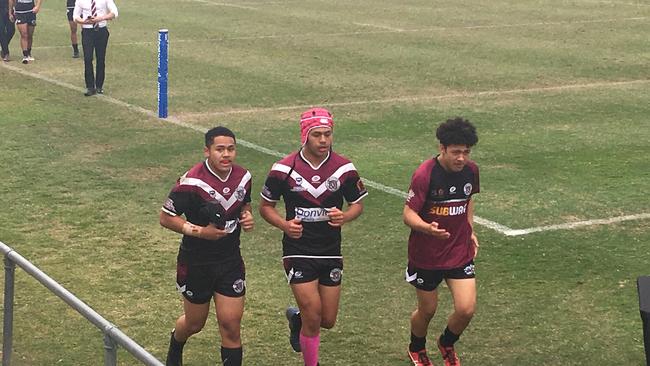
(83, 179)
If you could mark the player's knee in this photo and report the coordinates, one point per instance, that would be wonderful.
(427, 312)
(194, 327)
(327, 323)
(466, 312)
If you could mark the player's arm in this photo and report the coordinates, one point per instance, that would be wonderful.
(470, 219)
(415, 222)
(338, 217)
(37, 6)
(182, 226)
(293, 228)
(246, 218)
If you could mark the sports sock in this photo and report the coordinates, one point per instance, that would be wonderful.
(231, 356)
(29, 51)
(309, 346)
(448, 338)
(175, 352)
(417, 343)
(75, 47)
(25, 53)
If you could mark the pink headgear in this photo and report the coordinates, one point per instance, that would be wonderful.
(314, 118)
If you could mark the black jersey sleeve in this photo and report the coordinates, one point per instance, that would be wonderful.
(177, 203)
(353, 189)
(272, 190)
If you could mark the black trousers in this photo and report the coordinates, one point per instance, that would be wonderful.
(94, 41)
(7, 30)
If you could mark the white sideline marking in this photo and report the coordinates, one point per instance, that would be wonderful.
(571, 225)
(393, 29)
(386, 30)
(422, 98)
(390, 190)
(224, 4)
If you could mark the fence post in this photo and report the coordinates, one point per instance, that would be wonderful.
(7, 327)
(110, 351)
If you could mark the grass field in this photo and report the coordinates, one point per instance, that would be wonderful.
(559, 91)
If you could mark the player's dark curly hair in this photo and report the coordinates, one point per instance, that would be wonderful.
(457, 131)
(217, 131)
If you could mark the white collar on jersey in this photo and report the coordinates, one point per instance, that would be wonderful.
(207, 165)
(319, 165)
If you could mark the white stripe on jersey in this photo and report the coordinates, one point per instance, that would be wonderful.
(316, 192)
(454, 200)
(226, 203)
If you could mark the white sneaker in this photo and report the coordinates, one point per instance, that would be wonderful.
(30, 58)
(25, 59)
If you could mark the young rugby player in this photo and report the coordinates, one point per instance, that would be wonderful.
(313, 182)
(214, 196)
(442, 245)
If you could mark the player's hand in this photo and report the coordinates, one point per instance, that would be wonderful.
(36, 9)
(436, 232)
(89, 20)
(474, 241)
(211, 232)
(336, 217)
(11, 16)
(293, 228)
(246, 220)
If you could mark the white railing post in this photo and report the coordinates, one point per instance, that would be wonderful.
(8, 323)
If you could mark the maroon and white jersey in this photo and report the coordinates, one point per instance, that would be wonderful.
(442, 196)
(308, 192)
(199, 185)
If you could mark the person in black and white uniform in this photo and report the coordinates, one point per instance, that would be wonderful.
(73, 28)
(209, 263)
(7, 29)
(25, 15)
(94, 39)
(314, 182)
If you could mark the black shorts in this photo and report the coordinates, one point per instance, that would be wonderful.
(428, 279)
(69, 12)
(26, 18)
(199, 282)
(328, 271)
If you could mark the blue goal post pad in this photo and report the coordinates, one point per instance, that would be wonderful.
(643, 286)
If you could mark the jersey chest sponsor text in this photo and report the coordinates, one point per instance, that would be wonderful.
(311, 214)
(448, 210)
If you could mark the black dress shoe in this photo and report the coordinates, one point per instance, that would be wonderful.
(90, 91)
(100, 91)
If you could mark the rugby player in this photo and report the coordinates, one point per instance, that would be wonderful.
(209, 263)
(442, 244)
(313, 182)
(24, 12)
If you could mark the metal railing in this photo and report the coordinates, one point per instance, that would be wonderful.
(112, 335)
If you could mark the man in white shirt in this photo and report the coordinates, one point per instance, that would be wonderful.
(93, 15)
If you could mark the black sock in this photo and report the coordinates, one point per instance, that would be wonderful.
(29, 51)
(231, 356)
(417, 343)
(175, 352)
(75, 47)
(447, 339)
(25, 53)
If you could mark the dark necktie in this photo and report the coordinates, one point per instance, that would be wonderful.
(93, 12)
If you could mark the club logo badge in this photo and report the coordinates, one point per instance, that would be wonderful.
(467, 189)
(335, 275)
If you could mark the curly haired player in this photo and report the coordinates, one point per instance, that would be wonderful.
(442, 244)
